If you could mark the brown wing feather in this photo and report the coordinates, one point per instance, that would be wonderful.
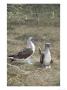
(41, 58)
(24, 53)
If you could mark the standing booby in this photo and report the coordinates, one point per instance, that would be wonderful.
(45, 56)
(26, 52)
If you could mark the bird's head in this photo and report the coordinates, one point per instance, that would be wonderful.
(30, 38)
(47, 45)
(30, 44)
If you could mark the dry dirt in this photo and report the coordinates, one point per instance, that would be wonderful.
(19, 73)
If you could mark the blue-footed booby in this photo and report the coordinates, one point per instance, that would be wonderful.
(25, 53)
(45, 56)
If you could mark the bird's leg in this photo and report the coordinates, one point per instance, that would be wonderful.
(47, 67)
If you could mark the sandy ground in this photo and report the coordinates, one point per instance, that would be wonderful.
(19, 73)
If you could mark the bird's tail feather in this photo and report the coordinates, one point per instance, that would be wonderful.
(51, 61)
(10, 55)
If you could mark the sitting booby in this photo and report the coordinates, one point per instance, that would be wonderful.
(26, 52)
(45, 56)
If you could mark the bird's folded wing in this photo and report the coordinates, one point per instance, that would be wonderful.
(42, 58)
(24, 53)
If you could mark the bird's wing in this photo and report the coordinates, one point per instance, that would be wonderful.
(25, 53)
(41, 58)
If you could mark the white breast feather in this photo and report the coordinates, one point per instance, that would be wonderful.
(47, 58)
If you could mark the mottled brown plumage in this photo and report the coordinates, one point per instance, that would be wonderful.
(22, 54)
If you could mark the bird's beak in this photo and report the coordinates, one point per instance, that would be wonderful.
(32, 39)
